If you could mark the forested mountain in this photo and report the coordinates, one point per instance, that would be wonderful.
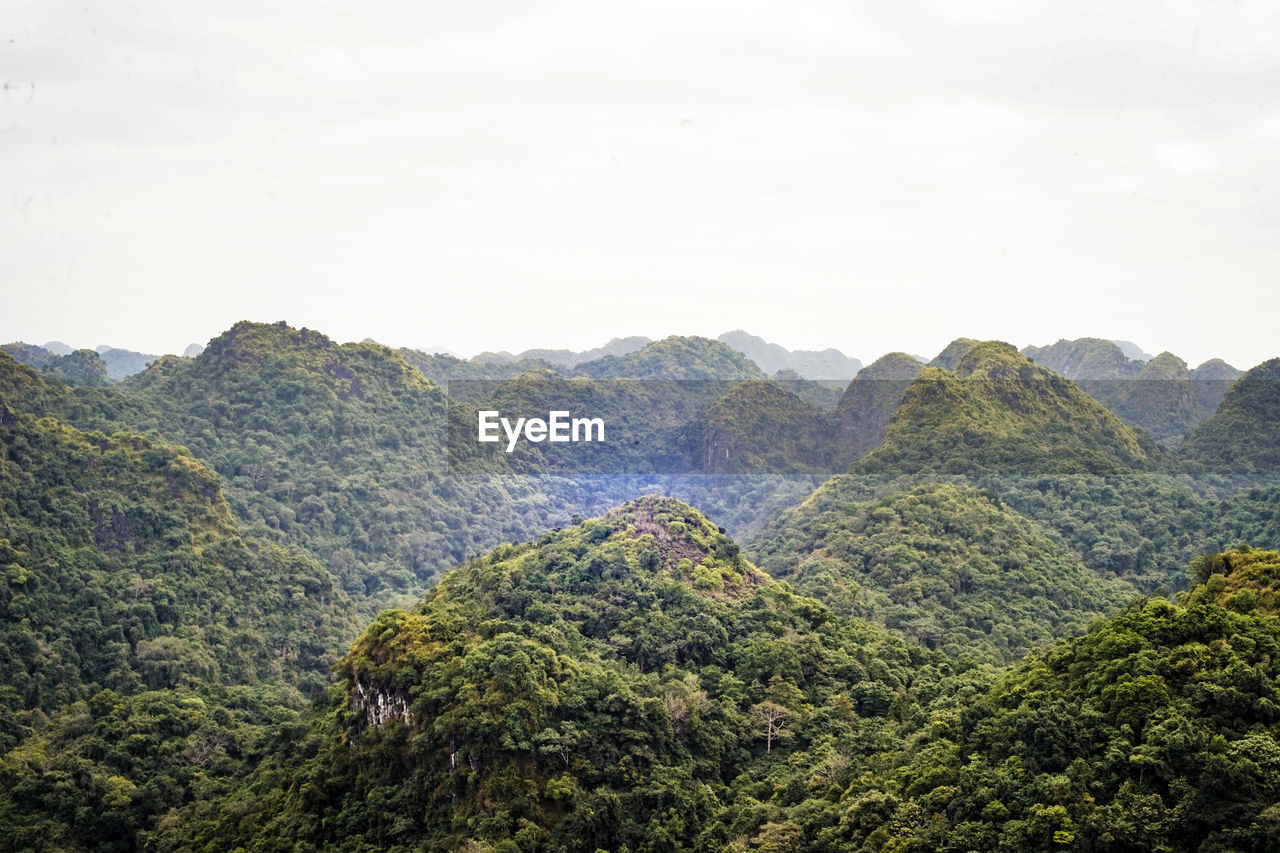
(1160, 394)
(674, 358)
(1156, 730)
(871, 400)
(809, 364)
(1086, 358)
(441, 368)
(81, 367)
(996, 411)
(1243, 436)
(950, 356)
(564, 358)
(123, 362)
(947, 565)
(629, 683)
(144, 644)
(78, 367)
(759, 427)
(337, 448)
(945, 646)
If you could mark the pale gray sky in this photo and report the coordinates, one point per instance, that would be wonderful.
(485, 175)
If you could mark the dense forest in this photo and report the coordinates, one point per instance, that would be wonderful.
(272, 595)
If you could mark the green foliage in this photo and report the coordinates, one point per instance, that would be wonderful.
(581, 692)
(999, 413)
(1154, 731)
(871, 400)
(759, 427)
(1244, 435)
(946, 565)
(340, 449)
(81, 367)
(143, 642)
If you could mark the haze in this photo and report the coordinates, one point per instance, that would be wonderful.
(471, 176)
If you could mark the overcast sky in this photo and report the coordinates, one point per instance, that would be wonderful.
(502, 175)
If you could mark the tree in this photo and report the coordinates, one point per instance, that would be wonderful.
(772, 719)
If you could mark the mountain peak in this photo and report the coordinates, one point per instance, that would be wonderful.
(1001, 413)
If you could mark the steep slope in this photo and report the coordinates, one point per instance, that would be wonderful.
(950, 357)
(946, 565)
(870, 401)
(144, 645)
(999, 413)
(1159, 395)
(674, 358)
(1166, 399)
(628, 683)
(1154, 731)
(1243, 436)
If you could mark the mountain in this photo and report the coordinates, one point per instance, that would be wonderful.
(1087, 358)
(1133, 351)
(146, 645)
(122, 362)
(443, 369)
(809, 364)
(339, 449)
(77, 367)
(870, 401)
(947, 565)
(950, 357)
(192, 350)
(1158, 394)
(674, 358)
(563, 358)
(998, 413)
(627, 683)
(57, 348)
(1243, 436)
(1216, 370)
(759, 427)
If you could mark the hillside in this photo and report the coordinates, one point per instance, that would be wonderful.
(79, 367)
(628, 683)
(1085, 358)
(144, 644)
(1158, 394)
(946, 565)
(759, 427)
(1243, 436)
(871, 400)
(1154, 731)
(339, 449)
(999, 413)
(563, 358)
